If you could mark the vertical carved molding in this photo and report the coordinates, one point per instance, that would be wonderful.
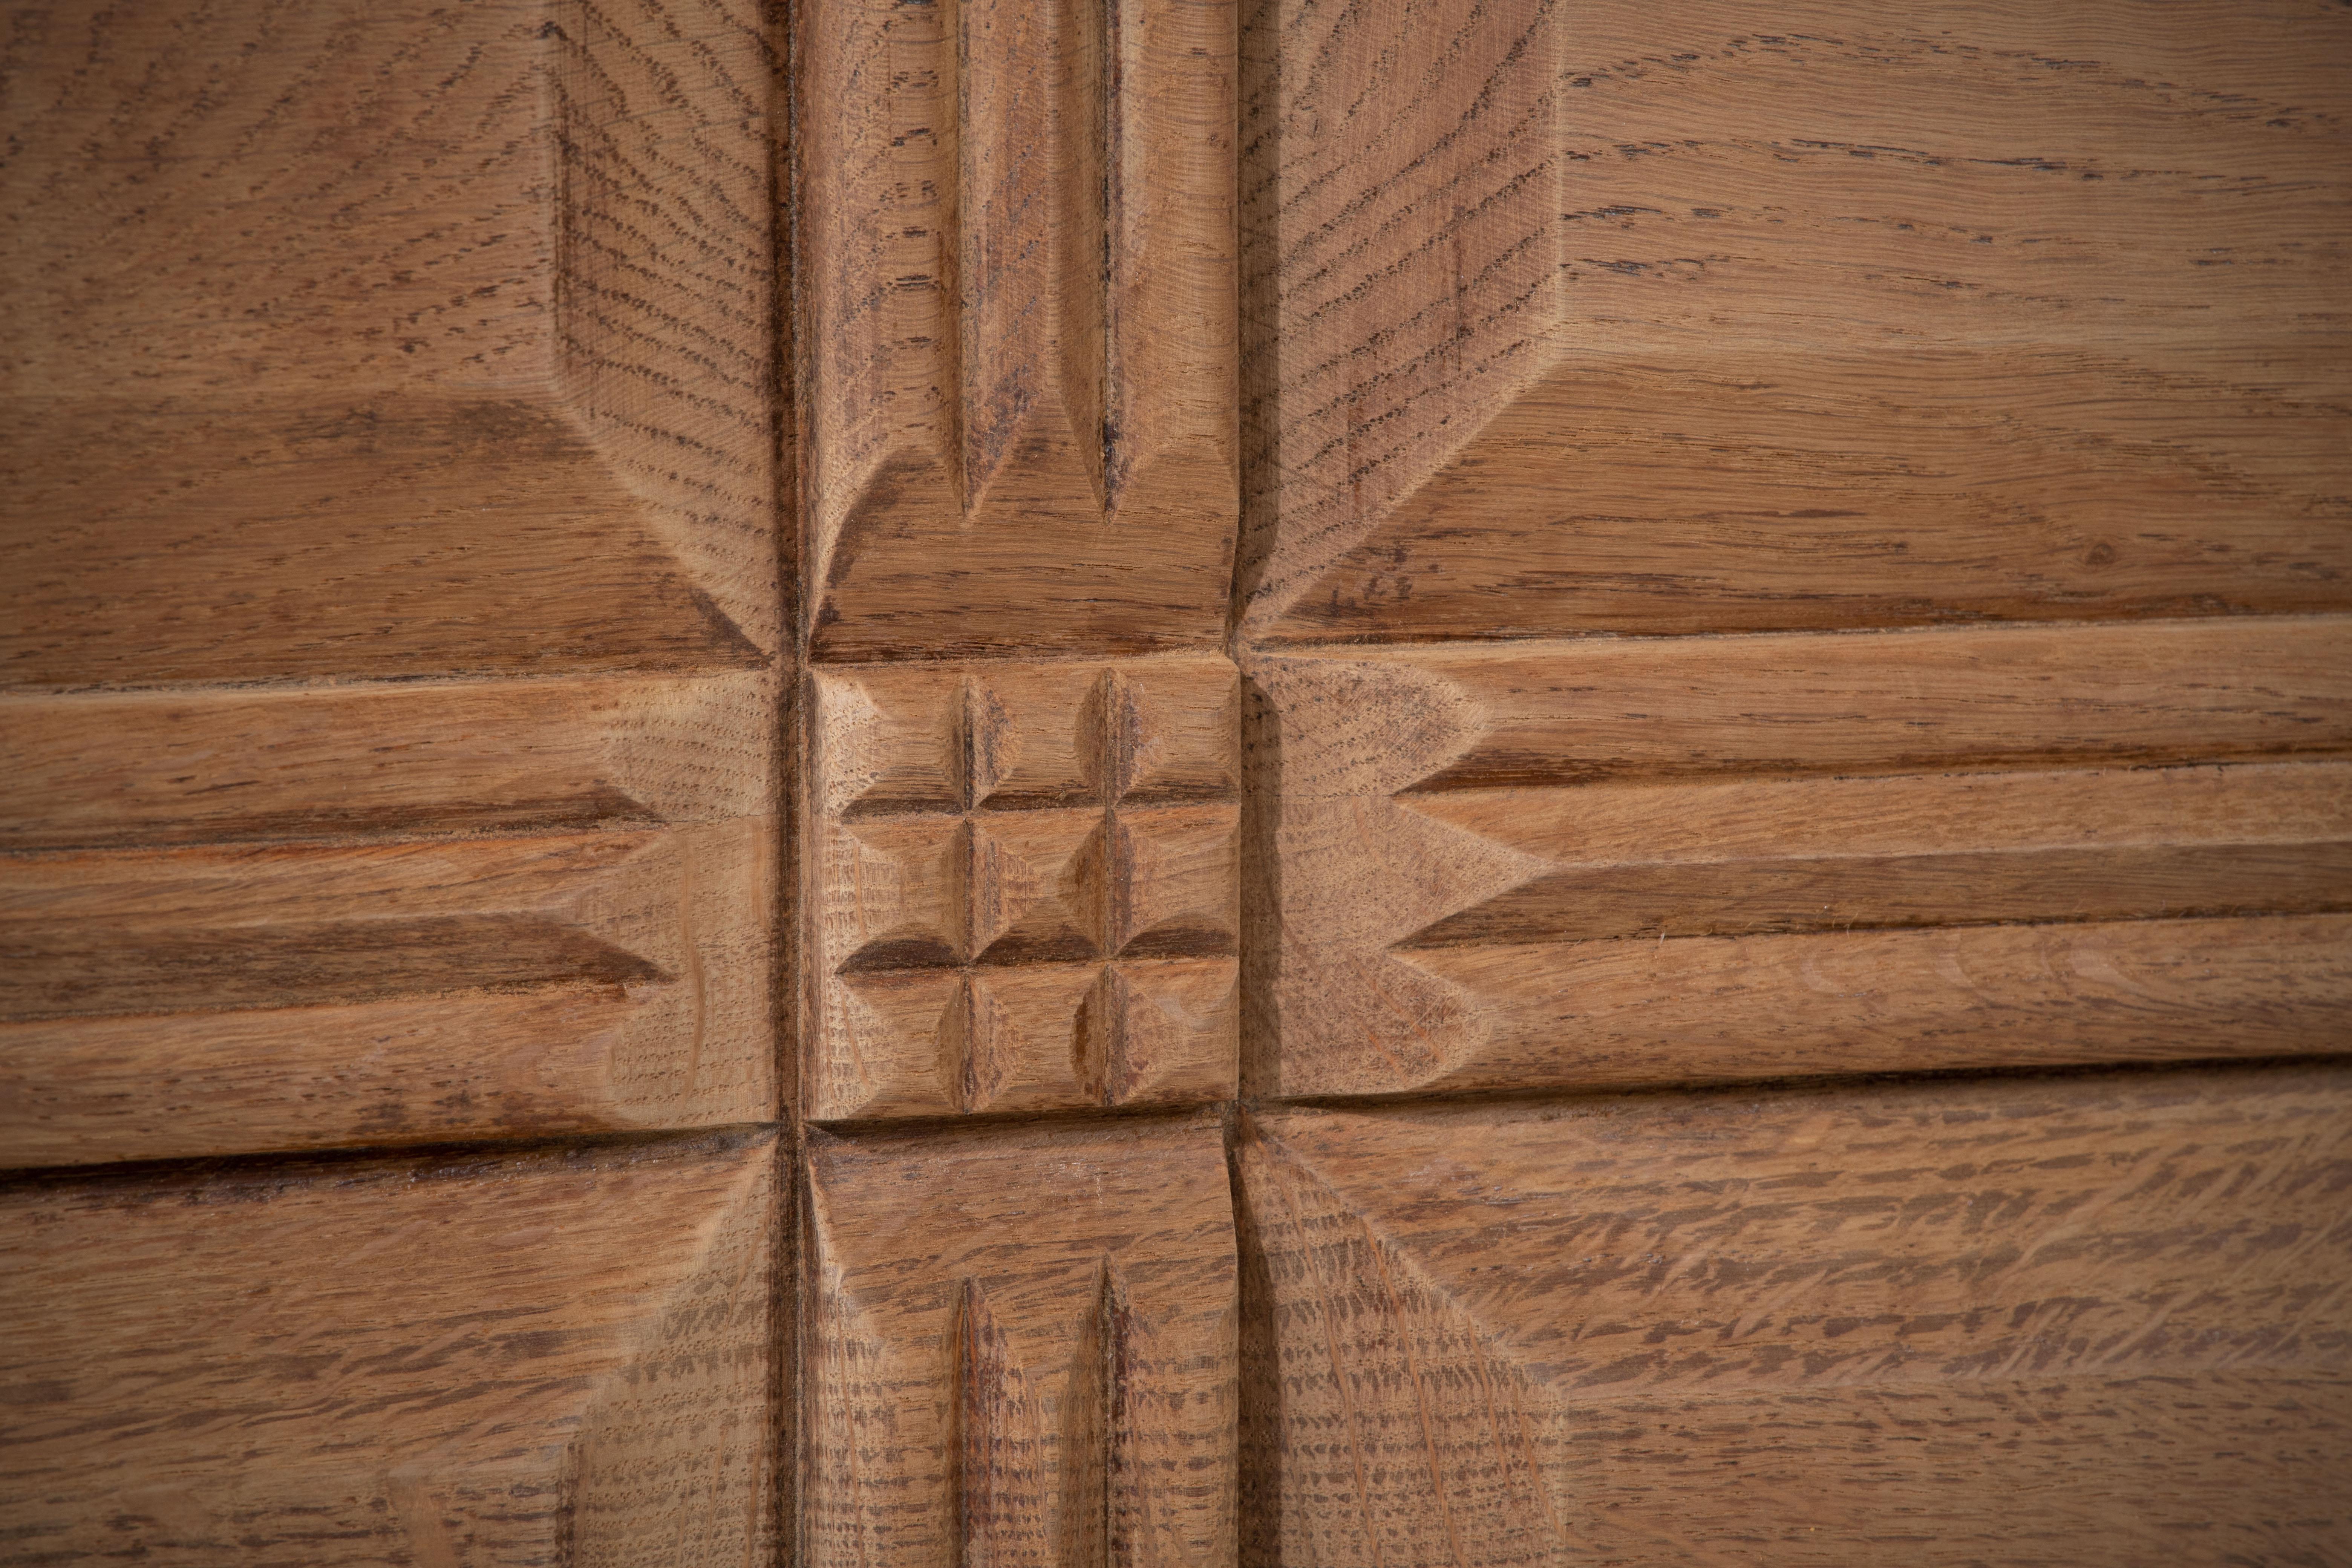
(1045, 1378)
(1018, 256)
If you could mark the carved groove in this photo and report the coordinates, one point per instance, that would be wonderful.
(1033, 879)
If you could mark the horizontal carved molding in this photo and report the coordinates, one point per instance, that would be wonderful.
(164, 1003)
(402, 761)
(1570, 864)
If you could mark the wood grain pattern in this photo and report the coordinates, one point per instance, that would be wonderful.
(2083, 1320)
(1614, 862)
(367, 761)
(341, 277)
(1024, 886)
(1018, 260)
(1020, 1347)
(392, 676)
(1852, 315)
(490, 1358)
(210, 999)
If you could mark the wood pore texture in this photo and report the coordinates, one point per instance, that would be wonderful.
(1084, 783)
(390, 696)
(1784, 544)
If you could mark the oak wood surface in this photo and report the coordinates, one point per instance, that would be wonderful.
(1018, 335)
(390, 691)
(392, 659)
(1846, 314)
(1020, 1346)
(482, 1358)
(1612, 861)
(2082, 1320)
(900, 782)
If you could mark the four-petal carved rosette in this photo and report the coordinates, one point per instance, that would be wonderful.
(1027, 886)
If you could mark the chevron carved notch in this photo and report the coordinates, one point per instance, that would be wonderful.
(1051, 1381)
(1022, 287)
(1579, 863)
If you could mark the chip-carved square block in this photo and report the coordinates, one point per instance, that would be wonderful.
(1025, 880)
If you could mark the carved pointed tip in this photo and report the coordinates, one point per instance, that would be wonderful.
(984, 738)
(970, 1047)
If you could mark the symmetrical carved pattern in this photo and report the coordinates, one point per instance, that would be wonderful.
(2097, 1319)
(1622, 862)
(1022, 1347)
(1020, 275)
(1026, 886)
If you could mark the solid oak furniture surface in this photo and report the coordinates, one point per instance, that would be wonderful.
(967, 782)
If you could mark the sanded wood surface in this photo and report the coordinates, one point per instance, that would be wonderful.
(1020, 1346)
(2077, 1321)
(390, 698)
(1578, 863)
(1025, 886)
(1019, 335)
(1842, 314)
(392, 663)
(883, 782)
(541, 1358)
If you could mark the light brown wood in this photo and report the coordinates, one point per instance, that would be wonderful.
(1025, 886)
(1018, 253)
(1608, 862)
(1846, 314)
(390, 695)
(1021, 1346)
(2079, 1320)
(392, 667)
(996, 783)
(483, 1358)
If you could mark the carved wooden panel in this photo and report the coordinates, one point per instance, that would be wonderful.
(1709, 317)
(390, 699)
(480, 1358)
(2073, 1321)
(1020, 1346)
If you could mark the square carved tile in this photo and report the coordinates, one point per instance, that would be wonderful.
(1025, 882)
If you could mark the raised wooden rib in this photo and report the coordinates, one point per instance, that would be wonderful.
(1019, 271)
(2116, 1298)
(1639, 1011)
(306, 996)
(407, 761)
(1850, 324)
(517, 1358)
(1733, 867)
(500, 403)
(1021, 1346)
(1576, 710)
(370, 358)
(1025, 879)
